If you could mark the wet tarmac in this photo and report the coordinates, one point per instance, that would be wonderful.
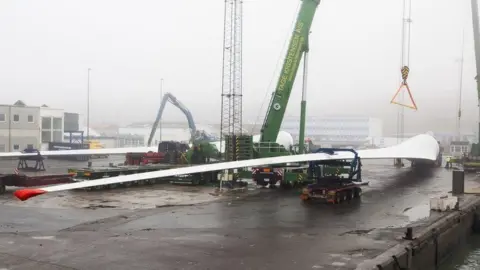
(260, 229)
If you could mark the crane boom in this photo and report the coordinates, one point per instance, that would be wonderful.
(297, 47)
(169, 97)
(476, 38)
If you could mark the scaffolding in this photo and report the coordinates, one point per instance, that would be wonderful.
(231, 111)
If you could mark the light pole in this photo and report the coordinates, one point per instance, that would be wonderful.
(160, 123)
(88, 103)
(460, 87)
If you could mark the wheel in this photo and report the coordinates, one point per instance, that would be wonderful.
(196, 179)
(2, 188)
(286, 185)
(338, 198)
(357, 192)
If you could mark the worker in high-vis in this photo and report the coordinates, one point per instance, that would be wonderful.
(448, 164)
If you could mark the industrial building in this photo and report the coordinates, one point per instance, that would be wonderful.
(336, 130)
(23, 126)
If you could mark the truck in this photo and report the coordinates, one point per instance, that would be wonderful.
(334, 181)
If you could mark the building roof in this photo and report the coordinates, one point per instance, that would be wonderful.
(19, 103)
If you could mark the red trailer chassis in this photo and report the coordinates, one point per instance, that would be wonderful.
(18, 180)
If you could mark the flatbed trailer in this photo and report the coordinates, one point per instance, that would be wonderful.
(92, 173)
(22, 180)
(333, 193)
(334, 181)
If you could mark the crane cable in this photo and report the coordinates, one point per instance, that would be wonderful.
(405, 70)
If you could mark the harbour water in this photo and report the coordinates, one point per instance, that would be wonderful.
(467, 257)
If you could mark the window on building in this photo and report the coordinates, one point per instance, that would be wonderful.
(30, 118)
(46, 136)
(16, 147)
(16, 118)
(2, 148)
(29, 146)
(46, 123)
(57, 136)
(57, 123)
(2, 117)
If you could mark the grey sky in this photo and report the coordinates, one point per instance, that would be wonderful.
(47, 47)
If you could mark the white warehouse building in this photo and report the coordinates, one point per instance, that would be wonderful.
(336, 130)
(23, 126)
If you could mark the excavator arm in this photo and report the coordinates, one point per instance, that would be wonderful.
(168, 97)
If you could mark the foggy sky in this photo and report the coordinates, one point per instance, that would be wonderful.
(48, 45)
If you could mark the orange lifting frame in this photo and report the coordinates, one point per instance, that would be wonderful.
(413, 106)
(405, 71)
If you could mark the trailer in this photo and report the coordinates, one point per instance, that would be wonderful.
(335, 181)
(92, 173)
(22, 180)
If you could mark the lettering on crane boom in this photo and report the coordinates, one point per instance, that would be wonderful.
(291, 57)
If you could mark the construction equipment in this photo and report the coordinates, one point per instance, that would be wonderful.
(475, 151)
(267, 146)
(197, 136)
(471, 161)
(335, 181)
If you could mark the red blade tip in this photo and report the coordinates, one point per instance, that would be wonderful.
(25, 194)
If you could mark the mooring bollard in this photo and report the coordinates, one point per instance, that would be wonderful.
(408, 234)
(458, 182)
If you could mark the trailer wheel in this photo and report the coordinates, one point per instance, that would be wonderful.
(350, 195)
(338, 198)
(304, 197)
(286, 185)
(357, 193)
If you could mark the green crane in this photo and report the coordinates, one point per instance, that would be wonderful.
(298, 46)
(267, 145)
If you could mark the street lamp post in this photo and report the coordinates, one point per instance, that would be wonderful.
(88, 103)
(160, 123)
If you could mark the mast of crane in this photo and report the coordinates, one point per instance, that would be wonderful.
(231, 110)
(476, 38)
